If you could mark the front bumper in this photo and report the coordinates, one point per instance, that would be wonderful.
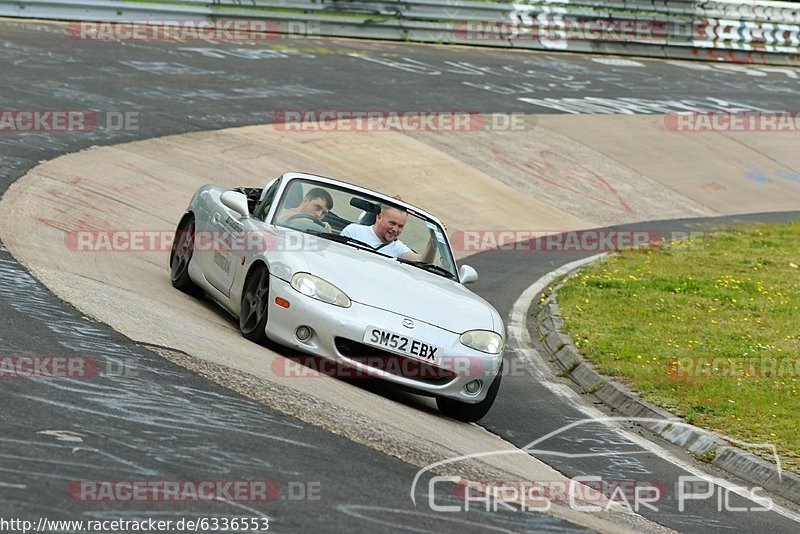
(337, 334)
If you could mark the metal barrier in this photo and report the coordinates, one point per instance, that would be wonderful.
(730, 30)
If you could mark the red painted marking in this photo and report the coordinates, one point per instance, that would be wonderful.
(90, 200)
(734, 56)
(133, 167)
(711, 186)
(58, 225)
(567, 174)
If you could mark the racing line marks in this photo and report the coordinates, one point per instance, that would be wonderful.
(565, 173)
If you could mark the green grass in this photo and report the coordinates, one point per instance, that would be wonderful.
(640, 316)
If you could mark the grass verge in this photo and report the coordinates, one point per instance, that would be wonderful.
(706, 328)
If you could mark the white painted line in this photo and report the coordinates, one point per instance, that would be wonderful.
(10, 485)
(519, 341)
(63, 435)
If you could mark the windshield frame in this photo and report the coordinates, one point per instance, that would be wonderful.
(372, 196)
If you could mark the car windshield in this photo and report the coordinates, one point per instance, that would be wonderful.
(324, 209)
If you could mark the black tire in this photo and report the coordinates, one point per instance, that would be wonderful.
(255, 303)
(181, 255)
(469, 413)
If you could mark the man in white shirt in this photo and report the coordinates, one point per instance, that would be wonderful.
(383, 235)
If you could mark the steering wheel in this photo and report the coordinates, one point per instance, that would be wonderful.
(310, 216)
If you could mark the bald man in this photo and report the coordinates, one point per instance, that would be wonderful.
(383, 235)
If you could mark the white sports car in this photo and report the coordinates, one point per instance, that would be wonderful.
(277, 259)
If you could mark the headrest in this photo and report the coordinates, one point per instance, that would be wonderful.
(294, 196)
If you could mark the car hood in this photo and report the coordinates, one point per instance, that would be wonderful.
(382, 282)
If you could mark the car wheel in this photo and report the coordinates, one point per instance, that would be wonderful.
(255, 299)
(181, 255)
(469, 413)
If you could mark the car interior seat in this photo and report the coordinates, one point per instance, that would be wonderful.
(294, 196)
(367, 218)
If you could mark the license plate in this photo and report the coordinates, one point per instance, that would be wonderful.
(398, 343)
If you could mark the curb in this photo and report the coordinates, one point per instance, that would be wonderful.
(560, 351)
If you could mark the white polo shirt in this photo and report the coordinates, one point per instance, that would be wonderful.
(365, 233)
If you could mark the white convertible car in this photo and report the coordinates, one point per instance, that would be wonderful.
(278, 261)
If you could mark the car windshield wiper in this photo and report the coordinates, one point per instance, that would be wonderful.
(430, 267)
(343, 239)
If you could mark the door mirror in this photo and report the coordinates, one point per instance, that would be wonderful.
(467, 274)
(235, 201)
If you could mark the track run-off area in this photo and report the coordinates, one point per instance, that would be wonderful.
(565, 143)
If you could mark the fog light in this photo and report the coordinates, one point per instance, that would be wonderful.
(303, 333)
(473, 387)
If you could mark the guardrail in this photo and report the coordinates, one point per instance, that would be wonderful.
(728, 30)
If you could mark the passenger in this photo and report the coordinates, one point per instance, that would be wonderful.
(383, 235)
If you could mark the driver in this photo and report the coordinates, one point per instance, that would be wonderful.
(383, 235)
(317, 202)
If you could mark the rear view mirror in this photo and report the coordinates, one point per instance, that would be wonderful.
(467, 274)
(362, 204)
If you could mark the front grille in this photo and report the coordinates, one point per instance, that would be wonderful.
(395, 364)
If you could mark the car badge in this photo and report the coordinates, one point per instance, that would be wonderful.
(408, 323)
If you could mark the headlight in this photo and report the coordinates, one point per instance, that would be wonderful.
(317, 288)
(483, 340)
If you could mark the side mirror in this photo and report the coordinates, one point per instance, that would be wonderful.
(235, 201)
(467, 274)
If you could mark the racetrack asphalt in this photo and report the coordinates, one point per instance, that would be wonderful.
(156, 421)
(175, 91)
